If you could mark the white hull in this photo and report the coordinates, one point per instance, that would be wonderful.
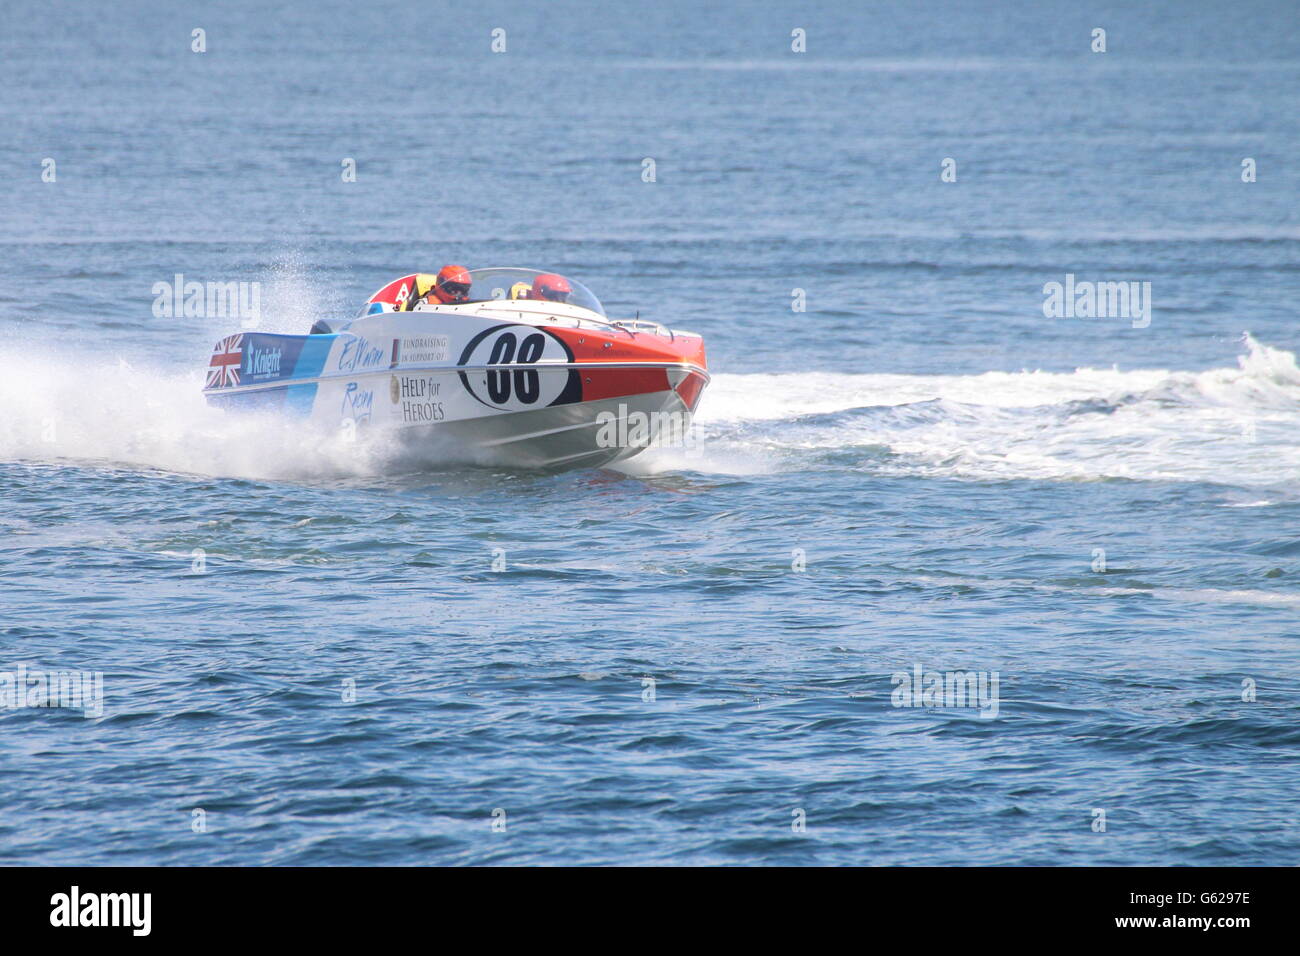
(535, 385)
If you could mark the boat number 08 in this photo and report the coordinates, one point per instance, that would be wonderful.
(507, 367)
(507, 350)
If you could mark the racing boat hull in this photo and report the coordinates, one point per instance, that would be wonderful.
(520, 383)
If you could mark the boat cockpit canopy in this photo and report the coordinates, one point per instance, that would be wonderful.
(500, 283)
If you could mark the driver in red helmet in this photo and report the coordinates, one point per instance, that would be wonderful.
(449, 286)
(550, 286)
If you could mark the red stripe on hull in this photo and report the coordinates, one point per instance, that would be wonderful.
(598, 383)
(598, 346)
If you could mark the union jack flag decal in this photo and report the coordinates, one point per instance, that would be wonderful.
(227, 356)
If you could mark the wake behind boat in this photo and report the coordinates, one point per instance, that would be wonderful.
(520, 368)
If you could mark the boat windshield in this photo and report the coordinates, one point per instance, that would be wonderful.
(531, 284)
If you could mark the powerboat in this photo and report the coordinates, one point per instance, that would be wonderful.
(504, 378)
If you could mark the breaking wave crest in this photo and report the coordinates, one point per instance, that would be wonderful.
(1228, 425)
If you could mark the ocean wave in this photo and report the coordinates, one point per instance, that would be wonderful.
(1235, 426)
(1226, 425)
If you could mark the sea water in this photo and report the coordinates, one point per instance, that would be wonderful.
(944, 575)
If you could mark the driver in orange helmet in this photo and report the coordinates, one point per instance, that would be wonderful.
(550, 286)
(449, 286)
